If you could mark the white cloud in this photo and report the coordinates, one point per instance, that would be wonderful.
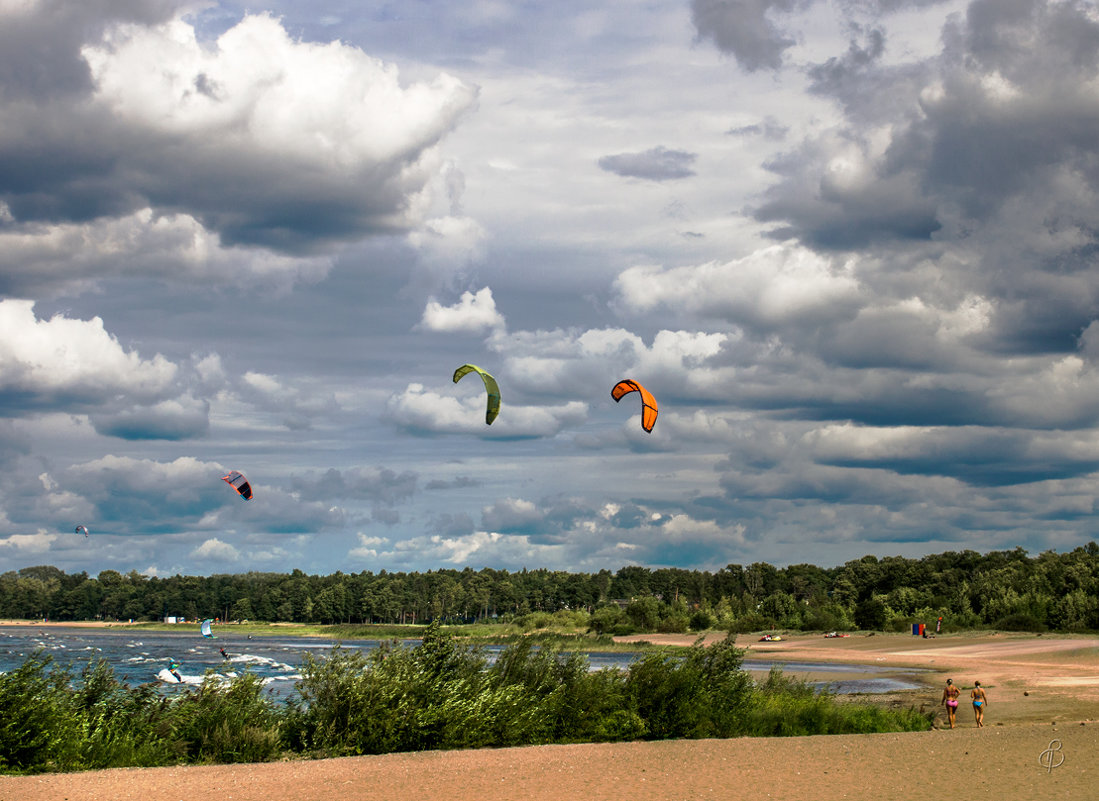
(70, 256)
(28, 544)
(472, 313)
(214, 550)
(447, 245)
(588, 363)
(775, 285)
(257, 86)
(367, 547)
(421, 410)
(242, 160)
(72, 358)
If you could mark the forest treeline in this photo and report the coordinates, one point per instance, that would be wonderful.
(1009, 590)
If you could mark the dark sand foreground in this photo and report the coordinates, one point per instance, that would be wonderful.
(990, 763)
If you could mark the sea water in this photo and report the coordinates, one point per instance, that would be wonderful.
(138, 657)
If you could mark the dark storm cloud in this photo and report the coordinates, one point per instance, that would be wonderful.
(743, 29)
(657, 164)
(981, 159)
(828, 208)
(379, 484)
(40, 48)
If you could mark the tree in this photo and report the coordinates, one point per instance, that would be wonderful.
(871, 613)
(242, 610)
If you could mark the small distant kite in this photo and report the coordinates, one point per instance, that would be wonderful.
(82, 530)
(491, 387)
(648, 402)
(239, 483)
(206, 629)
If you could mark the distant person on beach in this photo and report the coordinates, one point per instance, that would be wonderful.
(950, 699)
(979, 702)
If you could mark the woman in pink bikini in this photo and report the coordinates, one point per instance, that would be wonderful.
(950, 699)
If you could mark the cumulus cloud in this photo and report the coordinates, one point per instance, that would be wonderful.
(917, 166)
(367, 547)
(145, 490)
(447, 245)
(295, 402)
(68, 257)
(145, 496)
(473, 313)
(657, 164)
(580, 363)
(776, 286)
(65, 361)
(28, 544)
(176, 419)
(214, 550)
(144, 140)
(569, 531)
(547, 521)
(419, 410)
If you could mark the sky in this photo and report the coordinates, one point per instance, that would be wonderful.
(848, 245)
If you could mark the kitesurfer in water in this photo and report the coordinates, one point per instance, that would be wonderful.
(224, 655)
(173, 669)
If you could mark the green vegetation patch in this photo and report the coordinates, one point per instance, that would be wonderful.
(441, 694)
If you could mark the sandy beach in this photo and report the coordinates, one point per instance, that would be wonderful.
(1043, 703)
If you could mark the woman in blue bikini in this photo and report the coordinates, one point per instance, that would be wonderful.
(950, 699)
(979, 701)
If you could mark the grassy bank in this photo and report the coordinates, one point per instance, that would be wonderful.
(565, 638)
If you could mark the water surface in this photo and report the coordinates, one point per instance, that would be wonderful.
(138, 657)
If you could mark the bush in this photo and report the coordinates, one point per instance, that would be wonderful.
(607, 619)
(39, 721)
(1019, 621)
(227, 722)
(785, 707)
(749, 622)
(440, 694)
(702, 620)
